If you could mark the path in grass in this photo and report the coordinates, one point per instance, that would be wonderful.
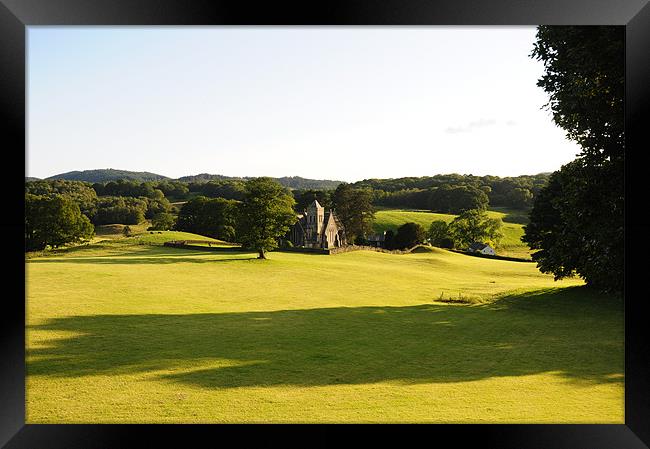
(125, 333)
(510, 245)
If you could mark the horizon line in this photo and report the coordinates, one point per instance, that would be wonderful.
(288, 176)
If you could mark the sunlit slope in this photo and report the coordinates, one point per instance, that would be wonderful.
(139, 333)
(510, 245)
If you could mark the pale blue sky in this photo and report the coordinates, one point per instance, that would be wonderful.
(343, 103)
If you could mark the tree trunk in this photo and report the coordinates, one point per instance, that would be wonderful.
(261, 254)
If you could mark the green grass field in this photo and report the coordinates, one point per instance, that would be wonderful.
(121, 332)
(510, 245)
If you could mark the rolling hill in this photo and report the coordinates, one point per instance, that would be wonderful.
(133, 332)
(109, 174)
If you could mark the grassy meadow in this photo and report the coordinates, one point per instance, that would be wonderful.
(510, 245)
(128, 331)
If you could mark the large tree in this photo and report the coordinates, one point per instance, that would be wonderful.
(355, 210)
(265, 215)
(474, 226)
(54, 221)
(577, 220)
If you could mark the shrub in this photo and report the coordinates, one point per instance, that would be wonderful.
(408, 235)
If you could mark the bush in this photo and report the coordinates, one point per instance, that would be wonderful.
(408, 235)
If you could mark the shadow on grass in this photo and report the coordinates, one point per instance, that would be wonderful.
(566, 331)
(144, 254)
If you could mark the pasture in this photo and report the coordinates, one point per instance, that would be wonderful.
(127, 331)
(510, 245)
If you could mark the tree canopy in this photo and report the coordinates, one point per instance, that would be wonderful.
(577, 221)
(355, 210)
(438, 234)
(474, 226)
(408, 235)
(54, 221)
(265, 215)
(212, 217)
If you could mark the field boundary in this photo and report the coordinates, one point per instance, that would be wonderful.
(194, 244)
(345, 249)
(488, 256)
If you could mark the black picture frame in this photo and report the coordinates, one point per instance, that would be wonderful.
(16, 15)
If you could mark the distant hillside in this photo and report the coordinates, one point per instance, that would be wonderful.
(296, 182)
(31, 178)
(293, 182)
(205, 177)
(108, 174)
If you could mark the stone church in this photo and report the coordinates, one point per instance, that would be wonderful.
(316, 228)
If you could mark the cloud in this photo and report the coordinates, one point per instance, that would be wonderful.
(481, 123)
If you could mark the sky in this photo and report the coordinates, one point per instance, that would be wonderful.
(341, 103)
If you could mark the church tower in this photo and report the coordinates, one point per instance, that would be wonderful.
(316, 219)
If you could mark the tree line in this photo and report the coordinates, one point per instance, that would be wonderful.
(441, 193)
(215, 211)
(81, 206)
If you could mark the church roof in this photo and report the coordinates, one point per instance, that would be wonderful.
(316, 204)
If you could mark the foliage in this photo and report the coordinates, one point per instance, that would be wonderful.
(228, 189)
(576, 225)
(173, 189)
(79, 192)
(355, 210)
(106, 175)
(54, 221)
(577, 221)
(305, 197)
(408, 235)
(474, 226)
(163, 222)
(133, 189)
(415, 192)
(438, 233)
(156, 206)
(117, 209)
(453, 200)
(292, 182)
(584, 77)
(265, 215)
(212, 217)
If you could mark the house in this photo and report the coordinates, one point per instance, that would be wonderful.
(482, 248)
(316, 228)
(376, 240)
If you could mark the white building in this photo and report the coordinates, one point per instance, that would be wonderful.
(482, 248)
